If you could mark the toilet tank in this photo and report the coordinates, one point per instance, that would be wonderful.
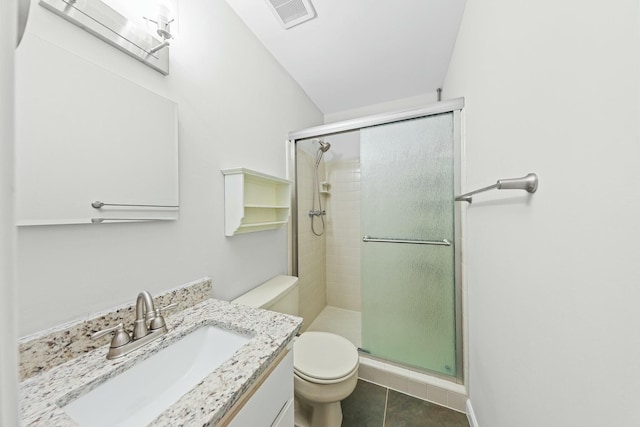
(279, 294)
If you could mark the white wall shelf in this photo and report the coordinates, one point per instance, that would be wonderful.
(254, 201)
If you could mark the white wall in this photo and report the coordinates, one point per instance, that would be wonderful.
(416, 101)
(553, 279)
(236, 106)
(8, 329)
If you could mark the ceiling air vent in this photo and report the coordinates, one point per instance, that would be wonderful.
(292, 12)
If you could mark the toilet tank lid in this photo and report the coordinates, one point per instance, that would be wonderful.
(269, 292)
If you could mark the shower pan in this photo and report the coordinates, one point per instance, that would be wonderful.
(408, 234)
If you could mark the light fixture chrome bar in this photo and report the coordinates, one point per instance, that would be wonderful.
(160, 46)
(98, 204)
(528, 183)
(443, 242)
(102, 21)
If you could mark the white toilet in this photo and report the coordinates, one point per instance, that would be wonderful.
(325, 365)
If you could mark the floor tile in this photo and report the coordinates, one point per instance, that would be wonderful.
(407, 411)
(365, 406)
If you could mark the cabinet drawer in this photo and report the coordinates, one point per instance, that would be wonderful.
(272, 402)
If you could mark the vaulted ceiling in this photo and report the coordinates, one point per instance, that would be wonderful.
(356, 53)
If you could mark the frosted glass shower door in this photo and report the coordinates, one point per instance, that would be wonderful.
(408, 292)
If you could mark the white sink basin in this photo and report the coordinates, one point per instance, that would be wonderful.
(137, 396)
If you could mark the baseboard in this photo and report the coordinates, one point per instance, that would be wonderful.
(471, 416)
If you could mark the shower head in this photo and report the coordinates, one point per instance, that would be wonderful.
(324, 146)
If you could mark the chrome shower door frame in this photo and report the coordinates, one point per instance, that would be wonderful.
(454, 106)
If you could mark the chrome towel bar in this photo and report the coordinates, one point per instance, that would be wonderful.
(98, 204)
(528, 183)
(443, 242)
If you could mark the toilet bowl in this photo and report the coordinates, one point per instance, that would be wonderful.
(325, 372)
(325, 365)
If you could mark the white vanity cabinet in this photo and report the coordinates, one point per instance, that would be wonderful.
(254, 201)
(270, 402)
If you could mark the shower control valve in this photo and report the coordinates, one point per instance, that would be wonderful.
(313, 213)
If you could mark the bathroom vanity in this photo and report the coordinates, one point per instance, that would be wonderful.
(254, 386)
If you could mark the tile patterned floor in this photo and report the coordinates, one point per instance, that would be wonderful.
(371, 405)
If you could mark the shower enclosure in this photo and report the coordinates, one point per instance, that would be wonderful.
(389, 257)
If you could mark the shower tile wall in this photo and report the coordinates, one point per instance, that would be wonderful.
(311, 248)
(343, 235)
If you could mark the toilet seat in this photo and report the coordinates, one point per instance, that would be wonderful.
(324, 358)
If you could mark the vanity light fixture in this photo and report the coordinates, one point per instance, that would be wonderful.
(101, 19)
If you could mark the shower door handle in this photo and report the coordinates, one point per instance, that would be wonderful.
(443, 242)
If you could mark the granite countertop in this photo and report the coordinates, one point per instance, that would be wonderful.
(43, 395)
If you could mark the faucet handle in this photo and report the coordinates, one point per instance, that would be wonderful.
(168, 306)
(120, 336)
(158, 322)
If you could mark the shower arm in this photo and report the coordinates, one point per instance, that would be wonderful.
(528, 183)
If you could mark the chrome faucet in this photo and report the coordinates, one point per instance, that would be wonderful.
(148, 326)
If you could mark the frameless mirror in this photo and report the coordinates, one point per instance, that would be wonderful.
(99, 138)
